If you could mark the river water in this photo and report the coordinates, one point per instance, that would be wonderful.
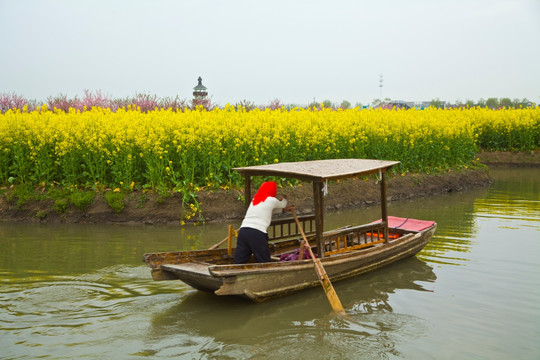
(82, 291)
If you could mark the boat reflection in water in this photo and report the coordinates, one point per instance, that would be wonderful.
(299, 321)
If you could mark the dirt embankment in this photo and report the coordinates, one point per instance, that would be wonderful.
(223, 205)
(511, 159)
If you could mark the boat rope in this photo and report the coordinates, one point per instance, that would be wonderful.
(325, 188)
(379, 178)
(400, 225)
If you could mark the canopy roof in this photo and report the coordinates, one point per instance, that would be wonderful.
(319, 169)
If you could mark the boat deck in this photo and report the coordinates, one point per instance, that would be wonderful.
(192, 267)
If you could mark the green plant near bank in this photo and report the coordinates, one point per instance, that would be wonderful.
(82, 199)
(21, 194)
(61, 197)
(115, 200)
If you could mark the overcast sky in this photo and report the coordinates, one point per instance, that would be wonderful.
(296, 51)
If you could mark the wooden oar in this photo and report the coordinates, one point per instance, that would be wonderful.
(321, 273)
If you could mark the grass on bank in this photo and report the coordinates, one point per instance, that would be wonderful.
(61, 197)
(63, 200)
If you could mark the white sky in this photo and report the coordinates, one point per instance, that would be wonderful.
(296, 51)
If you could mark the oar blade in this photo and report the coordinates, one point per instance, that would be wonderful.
(331, 294)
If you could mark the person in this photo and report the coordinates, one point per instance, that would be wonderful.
(253, 235)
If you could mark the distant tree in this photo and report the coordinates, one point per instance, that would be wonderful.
(173, 103)
(118, 103)
(95, 99)
(345, 105)
(525, 102)
(275, 104)
(314, 104)
(469, 103)
(62, 102)
(492, 103)
(506, 102)
(12, 101)
(244, 104)
(147, 102)
(358, 105)
(289, 107)
(437, 103)
(327, 104)
(481, 102)
(520, 103)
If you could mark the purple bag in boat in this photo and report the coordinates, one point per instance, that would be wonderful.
(295, 255)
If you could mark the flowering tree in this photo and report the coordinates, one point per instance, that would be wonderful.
(11, 101)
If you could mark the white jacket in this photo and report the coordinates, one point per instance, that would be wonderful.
(260, 216)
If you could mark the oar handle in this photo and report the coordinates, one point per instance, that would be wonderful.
(299, 227)
(305, 240)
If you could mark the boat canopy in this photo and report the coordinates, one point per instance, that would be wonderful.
(319, 170)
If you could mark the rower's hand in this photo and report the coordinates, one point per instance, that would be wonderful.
(288, 208)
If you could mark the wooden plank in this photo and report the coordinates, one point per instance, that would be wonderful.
(154, 260)
(192, 267)
(355, 247)
(350, 229)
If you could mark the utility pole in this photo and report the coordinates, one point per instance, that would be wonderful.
(380, 86)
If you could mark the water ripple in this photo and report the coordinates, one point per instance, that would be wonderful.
(48, 306)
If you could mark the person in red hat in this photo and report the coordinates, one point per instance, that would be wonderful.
(253, 235)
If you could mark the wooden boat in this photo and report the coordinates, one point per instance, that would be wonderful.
(344, 252)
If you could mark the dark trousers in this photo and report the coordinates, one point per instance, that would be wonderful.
(251, 241)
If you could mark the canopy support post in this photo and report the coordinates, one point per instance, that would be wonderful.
(319, 209)
(247, 190)
(384, 211)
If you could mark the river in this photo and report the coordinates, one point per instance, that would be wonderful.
(82, 291)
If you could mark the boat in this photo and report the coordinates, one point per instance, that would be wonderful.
(344, 252)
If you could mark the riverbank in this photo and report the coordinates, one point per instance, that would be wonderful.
(512, 159)
(226, 205)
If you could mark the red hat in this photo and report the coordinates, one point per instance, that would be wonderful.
(268, 188)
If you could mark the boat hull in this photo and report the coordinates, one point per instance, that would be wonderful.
(260, 282)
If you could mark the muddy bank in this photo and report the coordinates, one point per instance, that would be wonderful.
(226, 205)
(512, 159)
